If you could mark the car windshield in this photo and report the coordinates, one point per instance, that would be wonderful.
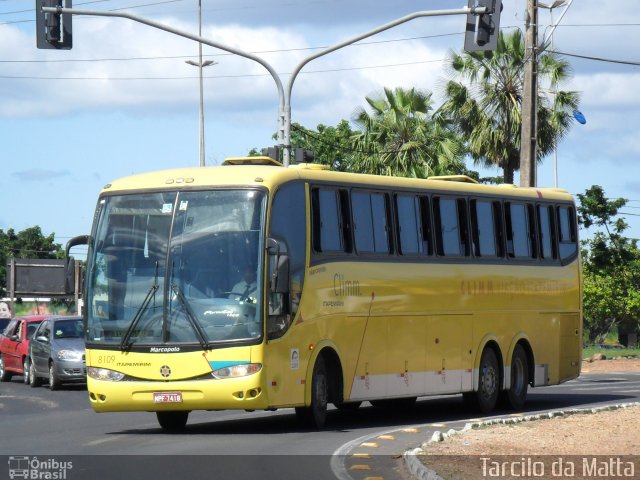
(172, 267)
(71, 328)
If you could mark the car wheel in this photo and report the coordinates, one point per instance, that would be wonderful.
(54, 382)
(172, 421)
(25, 370)
(34, 380)
(4, 375)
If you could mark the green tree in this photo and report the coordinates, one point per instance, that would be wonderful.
(28, 243)
(484, 99)
(330, 145)
(611, 267)
(402, 137)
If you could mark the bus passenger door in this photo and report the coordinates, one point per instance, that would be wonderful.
(448, 348)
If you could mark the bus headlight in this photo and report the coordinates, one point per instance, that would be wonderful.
(104, 374)
(234, 371)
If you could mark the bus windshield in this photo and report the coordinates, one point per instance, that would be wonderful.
(176, 267)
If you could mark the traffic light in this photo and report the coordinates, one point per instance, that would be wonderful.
(53, 29)
(303, 156)
(272, 152)
(483, 29)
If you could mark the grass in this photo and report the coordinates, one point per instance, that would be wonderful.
(610, 351)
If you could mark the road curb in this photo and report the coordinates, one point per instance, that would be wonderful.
(420, 471)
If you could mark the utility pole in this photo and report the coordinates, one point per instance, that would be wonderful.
(529, 134)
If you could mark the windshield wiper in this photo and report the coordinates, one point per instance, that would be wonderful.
(193, 320)
(124, 343)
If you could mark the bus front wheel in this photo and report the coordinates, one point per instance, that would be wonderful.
(315, 415)
(486, 397)
(172, 421)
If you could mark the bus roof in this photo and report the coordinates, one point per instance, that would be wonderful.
(265, 174)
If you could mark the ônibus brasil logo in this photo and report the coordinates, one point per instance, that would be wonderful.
(38, 469)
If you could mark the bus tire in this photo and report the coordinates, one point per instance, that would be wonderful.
(315, 415)
(486, 397)
(516, 395)
(172, 421)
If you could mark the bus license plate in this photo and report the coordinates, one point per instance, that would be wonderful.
(167, 397)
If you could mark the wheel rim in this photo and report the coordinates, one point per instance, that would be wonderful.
(32, 373)
(489, 381)
(51, 378)
(1, 367)
(26, 369)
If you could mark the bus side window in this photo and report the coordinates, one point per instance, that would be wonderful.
(520, 236)
(371, 222)
(568, 233)
(450, 216)
(409, 225)
(546, 235)
(483, 228)
(330, 227)
(426, 226)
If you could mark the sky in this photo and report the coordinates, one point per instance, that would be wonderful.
(123, 100)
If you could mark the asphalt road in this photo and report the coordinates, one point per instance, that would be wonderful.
(58, 427)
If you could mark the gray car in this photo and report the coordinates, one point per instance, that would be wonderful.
(56, 352)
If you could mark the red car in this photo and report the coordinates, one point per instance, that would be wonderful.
(14, 346)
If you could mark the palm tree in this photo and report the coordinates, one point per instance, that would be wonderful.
(484, 99)
(401, 137)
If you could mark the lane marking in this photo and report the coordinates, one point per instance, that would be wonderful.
(361, 455)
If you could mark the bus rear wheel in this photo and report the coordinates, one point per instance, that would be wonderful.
(486, 397)
(172, 421)
(515, 397)
(315, 415)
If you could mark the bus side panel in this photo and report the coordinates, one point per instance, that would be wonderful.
(406, 362)
(569, 351)
(448, 349)
(371, 379)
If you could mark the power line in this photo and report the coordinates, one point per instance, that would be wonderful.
(330, 70)
(599, 59)
(176, 57)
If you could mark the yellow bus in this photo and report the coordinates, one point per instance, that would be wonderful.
(254, 286)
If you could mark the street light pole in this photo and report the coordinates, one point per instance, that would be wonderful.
(200, 66)
(555, 4)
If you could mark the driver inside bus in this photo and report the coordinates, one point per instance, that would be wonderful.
(245, 289)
